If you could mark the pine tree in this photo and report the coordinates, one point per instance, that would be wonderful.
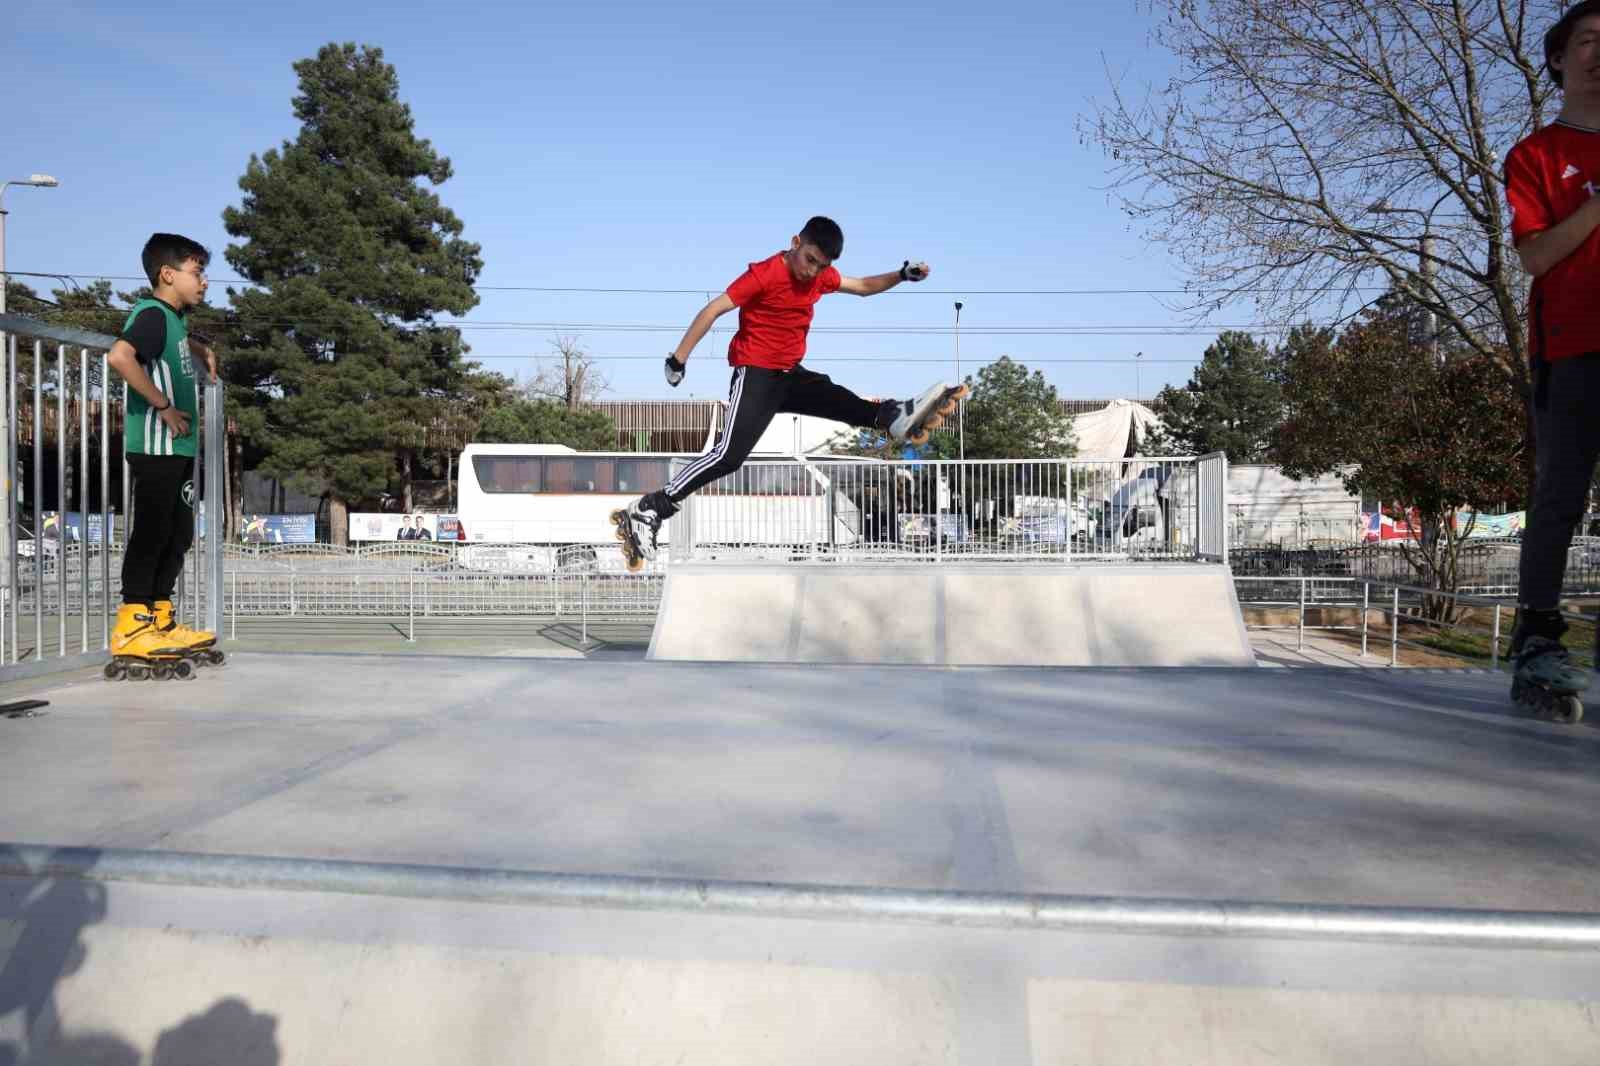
(1233, 403)
(352, 259)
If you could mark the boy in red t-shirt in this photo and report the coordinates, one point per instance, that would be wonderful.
(775, 298)
(1553, 188)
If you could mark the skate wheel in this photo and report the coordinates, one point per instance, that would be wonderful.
(960, 392)
(183, 669)
(160, 672)
(216, 658)
(919, 437)
(114, 671)
(1567, 710)
(635, 565)
(934, 421)
(947, 409)
(137, 673)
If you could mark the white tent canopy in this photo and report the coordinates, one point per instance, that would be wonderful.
(1109, 432)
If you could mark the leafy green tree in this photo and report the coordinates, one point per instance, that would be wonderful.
(338, 345)
(1014, 413)
(1233, 403)
(1433, 434)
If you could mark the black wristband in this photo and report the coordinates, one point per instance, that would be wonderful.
(903, 267)
(677, 367)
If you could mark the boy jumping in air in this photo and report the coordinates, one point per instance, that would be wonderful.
(775, 298)
(1553, 188)
(154, 356)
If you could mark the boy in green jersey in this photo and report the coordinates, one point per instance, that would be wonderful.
(155, 356)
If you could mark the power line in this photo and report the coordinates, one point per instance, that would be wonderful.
(701, 291)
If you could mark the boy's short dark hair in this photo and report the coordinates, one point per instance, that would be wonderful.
(170, 250)
(1555, 41)
(829, 238)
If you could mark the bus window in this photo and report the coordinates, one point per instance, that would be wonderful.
(580, 475)
(642, 475)
(508, 473)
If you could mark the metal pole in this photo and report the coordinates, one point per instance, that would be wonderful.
(961, 405)
(1394, 630)
(13, 577)
(61, 499)
(1494, 649)
(1366, 599)
(233, 627)
(83, 488)
(583, 591)
(105, 494)
(38, 491)
(1301, 639)
(411, 612)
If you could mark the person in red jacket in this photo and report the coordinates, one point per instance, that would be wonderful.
(775, 299)
(1553, 189)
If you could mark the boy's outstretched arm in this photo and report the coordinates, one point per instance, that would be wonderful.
(694, 335)
(876, 283)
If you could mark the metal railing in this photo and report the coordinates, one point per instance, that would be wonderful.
(1402, 614)
(1061, 510)
(72, 583)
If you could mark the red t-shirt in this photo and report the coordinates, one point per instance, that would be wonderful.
(1548, 176)
(775, 313)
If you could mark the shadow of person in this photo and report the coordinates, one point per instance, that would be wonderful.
(230, 1032)
(41, 918)
(87, 1049)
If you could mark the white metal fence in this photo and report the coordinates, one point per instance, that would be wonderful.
(1058, 510)
(65, 587)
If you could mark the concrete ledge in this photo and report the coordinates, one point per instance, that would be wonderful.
(959, 614)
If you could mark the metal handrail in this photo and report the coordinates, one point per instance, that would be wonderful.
(1039, 912)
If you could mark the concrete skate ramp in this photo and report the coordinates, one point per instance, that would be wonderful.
(128, 957)
(963, 614)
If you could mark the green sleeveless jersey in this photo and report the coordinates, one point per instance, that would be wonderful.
(173, 373)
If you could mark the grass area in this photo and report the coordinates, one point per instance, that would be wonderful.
(1473, 644)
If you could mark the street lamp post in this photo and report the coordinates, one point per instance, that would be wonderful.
(7, 549)
(42, 181)
(961, 405)
(1425, 264)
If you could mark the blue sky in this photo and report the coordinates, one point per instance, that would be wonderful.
(648, 147)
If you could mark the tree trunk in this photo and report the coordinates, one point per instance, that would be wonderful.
(235, 482)
(405, 480)
(338, 521)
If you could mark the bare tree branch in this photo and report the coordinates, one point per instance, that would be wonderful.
(1306, 149)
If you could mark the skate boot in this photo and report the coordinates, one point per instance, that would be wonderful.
(1546, 682)
(639, 527)
(199, 641)
(139, 649)
(914, 419)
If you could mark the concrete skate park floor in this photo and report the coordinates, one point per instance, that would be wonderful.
(1414, 788)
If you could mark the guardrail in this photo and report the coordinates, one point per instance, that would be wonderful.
(53, 576)
(1401, 607)
(1058, 510)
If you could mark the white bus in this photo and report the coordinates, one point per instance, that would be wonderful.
(550, 494)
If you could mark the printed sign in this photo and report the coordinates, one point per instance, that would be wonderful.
(416, 526)
(278, 529)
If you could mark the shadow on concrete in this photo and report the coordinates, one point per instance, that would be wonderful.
(42, 919)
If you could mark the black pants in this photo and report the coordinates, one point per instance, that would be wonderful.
(1566, 427)
(163, 526)
(754, 397)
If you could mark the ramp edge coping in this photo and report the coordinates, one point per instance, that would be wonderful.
(1042, 912)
